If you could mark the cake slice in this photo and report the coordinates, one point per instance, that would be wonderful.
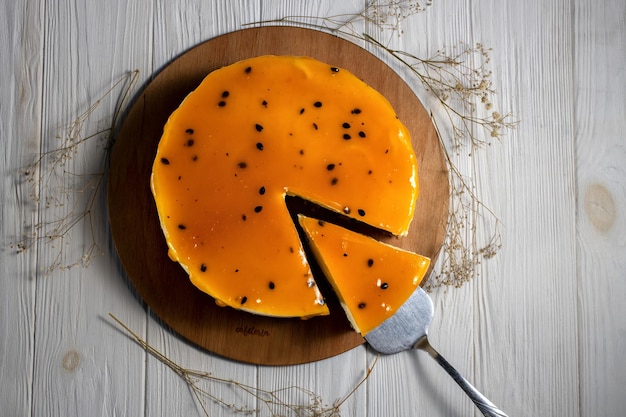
(371, 279)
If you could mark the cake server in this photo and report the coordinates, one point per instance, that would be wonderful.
(408, 329)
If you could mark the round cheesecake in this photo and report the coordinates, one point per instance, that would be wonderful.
(255, 132)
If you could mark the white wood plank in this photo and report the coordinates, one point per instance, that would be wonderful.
(83, 364)
(600, 39)
(21, 69)
(526, 345)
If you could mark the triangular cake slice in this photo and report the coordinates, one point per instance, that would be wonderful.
(371, 279)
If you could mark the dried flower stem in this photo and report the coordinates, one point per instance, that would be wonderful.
(55, 183)
(271, 400)
(385, 14)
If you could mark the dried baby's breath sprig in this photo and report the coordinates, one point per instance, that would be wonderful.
(460, 80)
(387, 15)
(461, 251)
(59, 184)
(271, 400)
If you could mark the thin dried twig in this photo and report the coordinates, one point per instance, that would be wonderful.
(56, 183)
(272, 400)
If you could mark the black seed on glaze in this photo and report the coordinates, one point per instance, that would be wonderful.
(345, 255)
(258, 127)
(302, 110)
(262, 190)
(225, 94)
(221, 103)
(248, 69)
(330, 167)
(244, 217)
(189, 131)
(315, 126)
(190, 142)
(244, 299)
(258, 209)
(301, 152)
(165, 161)
(356, 111)
(242, 165)
(182, 227)
(271, 285)
(334, 69)
(384, 286)
(362, 134)
(346, 125)
(362, 305)
(318, 104)
(347, 136)
(321, 223)
(361, 212)
(264, 103)
(203, 267)
(194, 158)
(259, 146)
(370, 262)
(334, 181)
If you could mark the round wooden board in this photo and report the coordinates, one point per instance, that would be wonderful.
(135, 226)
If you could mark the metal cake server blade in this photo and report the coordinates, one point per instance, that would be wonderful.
(408, 329)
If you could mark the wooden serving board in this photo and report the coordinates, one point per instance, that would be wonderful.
(135, 226)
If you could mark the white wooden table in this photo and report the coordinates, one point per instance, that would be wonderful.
(541, 330)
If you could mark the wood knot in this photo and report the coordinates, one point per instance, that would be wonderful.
(70, 360)
(599, 205)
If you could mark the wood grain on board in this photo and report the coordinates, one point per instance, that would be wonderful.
(134, 221)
